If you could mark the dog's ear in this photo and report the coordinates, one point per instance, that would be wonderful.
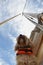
(16, 47)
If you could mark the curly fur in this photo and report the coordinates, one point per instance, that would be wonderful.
(24, 59)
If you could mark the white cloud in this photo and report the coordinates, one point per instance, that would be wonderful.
(12, 38)
(40, 10)
(2, 62)
(40, 1)
(12, 58)
(15, 7)
(32, 6)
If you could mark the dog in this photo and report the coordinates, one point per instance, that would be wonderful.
(24, 58)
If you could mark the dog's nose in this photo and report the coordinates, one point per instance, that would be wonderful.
(20, 35)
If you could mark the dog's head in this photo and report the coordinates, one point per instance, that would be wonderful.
(22, 40)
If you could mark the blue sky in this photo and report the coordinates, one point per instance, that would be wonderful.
(9, 31)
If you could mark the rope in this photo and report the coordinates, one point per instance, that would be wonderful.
(13, 16)
(24, 6)
(10, 19)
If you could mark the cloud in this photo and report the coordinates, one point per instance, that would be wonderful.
(13, 40)
(15, 7)
(40, 10)
(34, 6)
(40, 1)
(2, 62)
(7, 57)
(12, 8)
(12, 57)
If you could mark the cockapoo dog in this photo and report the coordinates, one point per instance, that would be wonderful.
(24, 51)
